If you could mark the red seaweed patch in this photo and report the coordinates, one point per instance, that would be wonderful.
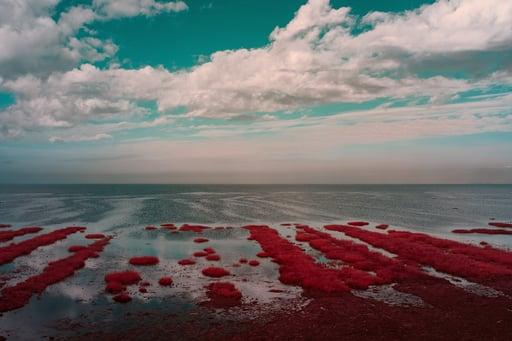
(482, 231)
(254, 262)
(150, 228)
(223, 295)
(15, 250)
(382, 226)
(165, 281)
(186, 262)
(127, 277)
(193, 228)
(242, 260)
(76, 248)
(209, 250)
(213, 257)
(500, 224)
(358, 223)
(215, 272)
(262, 254)
(144, 260)
(9, 235)
(115, 287)
(200, 240)
(122, 298)
(19, 295)
(200, 254)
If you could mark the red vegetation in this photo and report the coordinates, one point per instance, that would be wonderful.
(209, 250)
(165, 281)
(193, 228)
(8, 235)
(187, 262)
(115, 287)
(223, 295)
(95, 236)
(122, 298)
(127, 277)
(213, 257)
(482, 231)
(144, 260)
(296, 267)
(76, 248)
(150, 228)
(286, 224)
(200, 240)
(382, 226)
(200, 254)
(15, 250)
(358, 223)
(4, 225)
(498, 224)
(254, 262)
(215, 272)
(262, 254)
(17, 296)
(167, 225)
(143, 290)
(243, 260)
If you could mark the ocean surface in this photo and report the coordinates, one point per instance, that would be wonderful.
(122, 211)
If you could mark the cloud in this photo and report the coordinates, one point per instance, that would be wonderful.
(315, 59)
(74, 138)
(130, 8)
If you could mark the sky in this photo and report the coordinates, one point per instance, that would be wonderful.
(232, 91)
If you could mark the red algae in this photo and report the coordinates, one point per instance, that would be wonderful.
(295, 266)
(382, 226)
(144, 260)
(482, 231)
(76, 248)
(186, 262)
(15, 250)
(209, 250)
(213, 257)
(165, 281)
(500, 224)
(243, 260)
(122, 298)
(17, 296)
(215, 272)
(193, 228)
(262, 254)
(200, 240)
(150, 228)
(115, 287)
(254, 262)
(200, 254)
(358, 223)
(127, 277)
(95, 236)
(9, 235)
(223, 295)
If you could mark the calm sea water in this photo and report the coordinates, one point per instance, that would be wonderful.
(122, 211)
(110, 207)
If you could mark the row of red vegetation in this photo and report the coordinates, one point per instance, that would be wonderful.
(9, 235)
(295, 266)
(499, 224)
(482, 231)
(455, 263)
(19, 295)
(15, 250)
(193, 228)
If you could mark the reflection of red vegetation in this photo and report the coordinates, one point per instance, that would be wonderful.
(296, 267)
(165, 281)
(150, 228)
(14, 250)
(187, 262)
(223, 295)
(18, 295)
(498, 224)
(358, 223)
(122, 298)
(254, 263)
(115, 287)
(382, 226)
(215, 272)
(95, 236)
(127, 277)
(262, 254)
(200, 254)
(200, 240)
(482, 231)
(213, 257)
(144, 260)
(75, 248)
(193, 228)
(8, 235)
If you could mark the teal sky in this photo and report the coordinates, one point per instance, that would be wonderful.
(256, 91)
